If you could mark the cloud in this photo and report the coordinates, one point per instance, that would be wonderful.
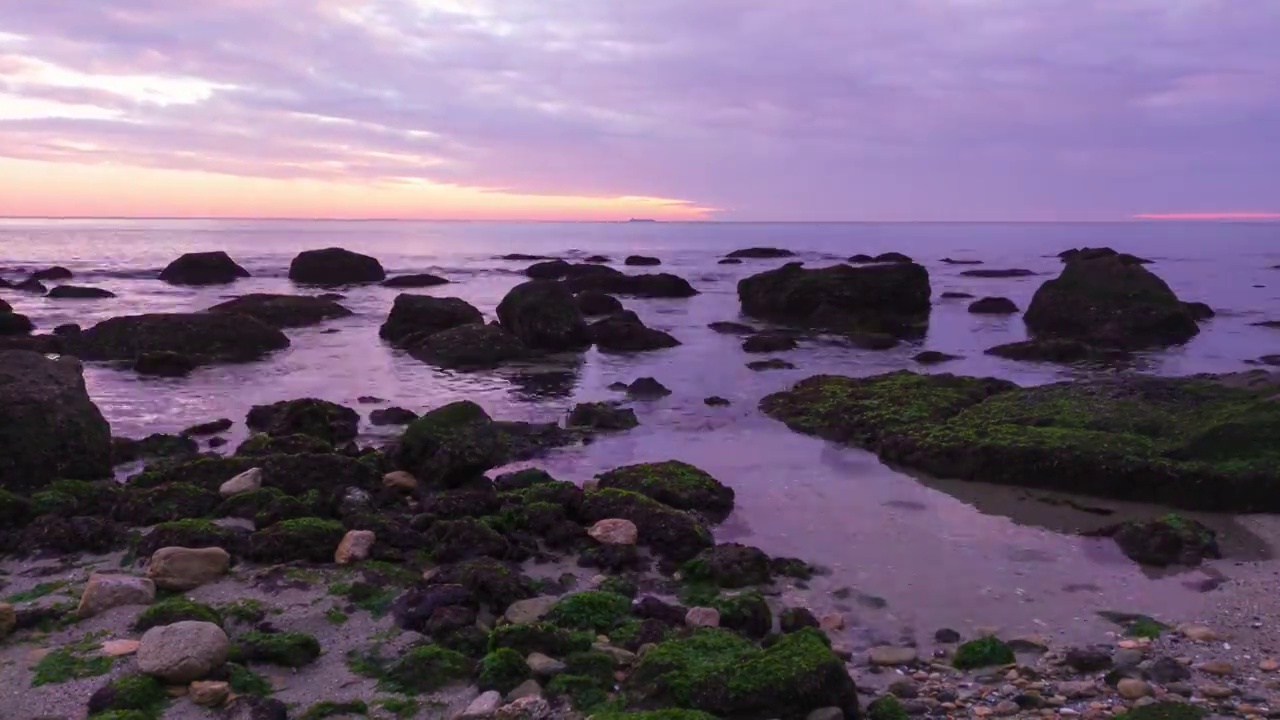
(806, 109)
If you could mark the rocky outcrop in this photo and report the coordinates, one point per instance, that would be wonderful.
(760, 253)
(49, 428)
(641, 261)
(76, 292)
(890, 298)
(624, 332)
(331, 267)
(52, 274)
(327, 421)
(544, 316)
(283, 311)
(473, 346)
(658, 285)
(12, 323)
(422, 280)
(164, 364)
(424, 315)
(204, 337)
(203, 268)
(598, 303)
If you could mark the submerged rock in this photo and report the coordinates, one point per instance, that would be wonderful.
(31, 285)
(1164, 541)
(591, 302)
(994, 273)
(993, 306)
(392, 416)
(1057, 350)
(769, 343)
(335, 266)
(624, 332)
(659, 285)
(414, 281)
(602, 416)
(76, 292)
(770, 364)
(761, 253)
(283, 311)
(1199, 310)
(327, 421)
(888, 298)
(473, 346)
(1102, 252)
(544, 316)
(203, 268)
(933, 357)
(204, 337)
(641, 260)
(425, 315)
(727, 327)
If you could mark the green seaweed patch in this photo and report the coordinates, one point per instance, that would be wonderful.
(173, 610)
(137, 692)
(595, 610)
(288, 649)
(245, 610)
(401, 707)
(373, 599)
(619, 586)
(542, 637)
(674, 483)
(503, 670)
(329, 708)
(70, 498)
(1145, 627)
(425, 668)
(42, 590)
(983, 652)
(335, 616)
(1164, 711)
(586, 693)
(886, 707)
(244, 681)
(76, 661)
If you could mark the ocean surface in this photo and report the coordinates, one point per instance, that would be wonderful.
(939, 553)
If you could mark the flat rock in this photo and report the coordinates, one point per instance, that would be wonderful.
(528, 688)
(104, 592)
(209, 693)
(485, 706)
(543, 666)
(247, 481)
(523, 612)
(182, 569)
(890, 655)
(120, 648)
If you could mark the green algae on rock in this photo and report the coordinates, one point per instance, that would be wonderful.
(175, 609)
(540, 637)
(593, 610)
(983, 652)
(310, 539)
(1167, 540)
(288, 649)
(502, 670)
(671, 533)
(674, 483)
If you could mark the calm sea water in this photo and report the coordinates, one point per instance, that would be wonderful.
(940, 553)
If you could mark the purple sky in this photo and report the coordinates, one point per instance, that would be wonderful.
(766, 109)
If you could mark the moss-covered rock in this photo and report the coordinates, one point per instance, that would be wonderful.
(889, 298)
(81, 534)
(202, 337)
(450, 444)
(473, 346)
(426, 668)
(166, 503)
(623, 332)
(886, 707)
(1166, 710)
(746, 613)
(15, 510)
(502, 670)
(321, 419)
(730, 565)
(262, 444)
(718, 672)
(330, 708)
(193, 533)
(288, 649)
(494, 583)
(453, 540)
(1166, 540)
(671, 533)
(453, 504)
(76, 497)
(605, 416)
(583, 693)
(983, 652)
(139, 693)
(545, 316)
(328, 473)
(175, 609)
(674, 483)
(596, 611)
(541, 637)
(308, 539)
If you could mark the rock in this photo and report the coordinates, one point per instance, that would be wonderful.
(1167, 540)
(947, 636)
(769, 343)
(725, 327)
(597, 303)
(1198, 310)
(890, 655)
(933, 357)
(1132, 688)
(827, 713)
(1166, 671)
(716, 401)
(467, 347)
(52, 429)
(120, 648)
(392, 416)
(760, 253)
(1217, 667)
(422, 280)
(647, 388)
(400, 480)
(614, 531)
(544, 315)
(993, 306)
(210, 428)
(528, 688)
(659, 285)
(203, 337)
(623, 332)
(1126, 659)
(164, 364)
(951, 261)
(250, 707)
(641, 260)
(676, 484)
(209, 693)
(1053, 350)
(1108, 302)
(603, 416)
(55, 273)
(525, 708)
(770, 364)
(1215, 692)
(994, 273)
(75, 292)
(247, 481)
(335, 266)
(730, 565)
(1200, 633)
(1005, 708)
(203, 268)
(12, 323)
(543, 666)
(1029, 644)
(8, 620)
(104, 592)
(891, 299)
(182, 569)
(524, 612)
(31, 285)
(669, 533)
(702, 617)
(184, 651)
(1087, 660)
(1103, 252)
(283, 311)
(414, 315)
(67, 330)
(1265, 665)
(832, 622)
(320, 419)
(483, 707)
(355, 546)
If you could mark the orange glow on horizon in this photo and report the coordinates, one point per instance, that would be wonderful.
(48, 189)
(1210, 216)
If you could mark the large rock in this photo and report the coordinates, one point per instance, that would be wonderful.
(335, 266)
(473, 346)
(203, 268)
(321, 419)
(670, 533)
(164, 364)
(55, 273)
(77, 292)
(598, 303)
(544, 316)
(12, 323)
(203, 337)
(104, 592)
(283, 311)
(762, 253)
(184, 651)
(183, 569)
(1109, 302)
(624, 332)
(888, 298)
(1164, 541)
(674, 483)
(49, 428)
(424, 315)
(656, 285)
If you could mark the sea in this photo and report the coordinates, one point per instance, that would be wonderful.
(914, 553)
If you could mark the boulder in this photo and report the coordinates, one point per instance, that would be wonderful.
(641, 260)
(953, 261)
(770, 364)
(674, 483)
(1102, 252)
(184, 651)
(647, 388)
(999, 273)
(726, 327)
(728, 261)
(355, 546)
(5, 307)
(474, 346)
(12, 323)
(213, 427)
(182, 569)
(598, 303)
(933, 357)
(761, 253)
(52, 274)
(164, 364)
(544, 316)
(525, 257)
(392, 416)
(730, 565)
(32, 286)
(327, 421)
(1199, 311)
(1110, 303)
(104, 592)
(422, 314)
(659, 285)
(335, 266)
(203, 268)
(283, 311)
(49, 428)
(993, 306)
(247, 481)
(614, 531)
(1167, 540)
(602, 416)
(1058, 350)
(769, 343)
(623, 332)
(204, 337)
(702, 617)
(953, 295)
(75, 292)
(668, 532)
(414, 281)
(559, 269)
(885, 298)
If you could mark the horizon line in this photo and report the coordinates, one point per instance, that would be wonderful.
(1138, 218)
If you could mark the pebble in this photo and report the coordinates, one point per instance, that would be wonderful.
(1217, 667)
(832, 622)
(1007, 707)
(120, 648)
(890, 655)
(209, 693)
(1199, 633)
(1132, 688)
(1216, 692)
(1269, 665)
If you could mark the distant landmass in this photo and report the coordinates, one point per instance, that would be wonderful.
(642, 220)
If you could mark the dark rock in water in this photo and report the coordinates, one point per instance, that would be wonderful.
(597, 259)
(729, 261)
(164, 364)
(474, 346)
(332, 296)
(1193, 442)
(658, 285)
(725, 327)
(559, 269)
(872, 341)
(43, 344)
(52, 274)
(321, 419)
(1164, 541)
(31, 285)
(716, 401)
(993, 306)
(283, 311)
(5, 307)
(952, 261)
(770, 364)
(1104, 252)
(524, 257)
(392, 416)
(12, 323)
(761, 253)
(952, 295)
(263, 445)
(618, 386)
(414, 281)
(598, 303)
(1007, 273)
(51, 429)
(933, 357)
(669, 533)
(861, 258)
(1267, 324)
(1109, 303)
(548, 270)
(674, 483)
(67, 330)
(602, 416)
(768, 343)
(730, 565)
(74, 292)
(335, 266)
(205, 337)
(204, 268)
(625, 333)
(947, 636)
(1199, 310)
(212, 427)
(544, 316)
(1053, 350)
(156, 445)
(641, 260)
(796, 619)
(889, 298)
(370, 400)
(647, 388)
(892, 257)
(521, 479)
(1272, 360)
(426, 315)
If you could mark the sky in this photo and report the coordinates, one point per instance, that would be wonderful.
(807, 110)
